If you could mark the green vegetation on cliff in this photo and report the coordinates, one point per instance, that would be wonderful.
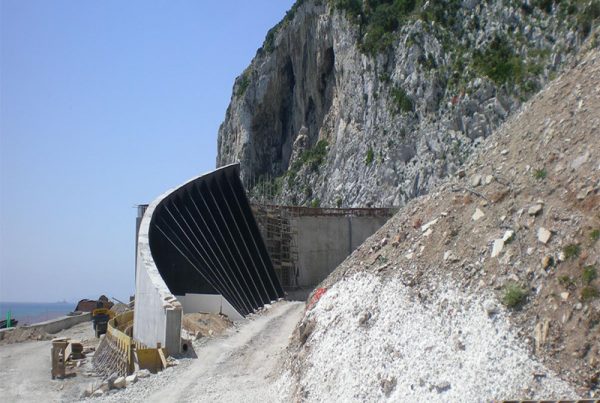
(269, 42)
(312, 157)
(380, 19)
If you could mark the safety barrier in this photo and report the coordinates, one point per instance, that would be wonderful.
(115, 332)
(115, 354)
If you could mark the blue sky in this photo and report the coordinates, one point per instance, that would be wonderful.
(105, 105)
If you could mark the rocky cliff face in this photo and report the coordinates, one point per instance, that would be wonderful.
(351, 103)
(501, 264)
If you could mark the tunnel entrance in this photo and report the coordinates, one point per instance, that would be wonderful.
(203, 247)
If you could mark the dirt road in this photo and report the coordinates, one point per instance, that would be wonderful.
(25, 371)
(240, 366)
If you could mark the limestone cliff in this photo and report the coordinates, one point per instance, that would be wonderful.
(369, 103)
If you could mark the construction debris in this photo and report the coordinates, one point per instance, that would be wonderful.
(65, 356)
(20, 334)
(205, 324)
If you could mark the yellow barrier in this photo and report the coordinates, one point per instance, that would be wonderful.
(121, 342)
(151, 358)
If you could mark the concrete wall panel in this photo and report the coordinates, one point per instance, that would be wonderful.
(201, 303)
(230, 311)
(210, 303)
(325, 241)
(364, 227)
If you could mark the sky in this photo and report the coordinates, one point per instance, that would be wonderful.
(105, 105)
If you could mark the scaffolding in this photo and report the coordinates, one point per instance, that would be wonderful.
(280, 236)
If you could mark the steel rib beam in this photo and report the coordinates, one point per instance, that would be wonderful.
(243, 236)
(218, 254)
(206, 227)
(257, 242)
(227, 219)
(234, 264)
(216, 280)
(244, 307)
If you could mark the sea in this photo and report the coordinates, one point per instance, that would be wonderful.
(35, 312)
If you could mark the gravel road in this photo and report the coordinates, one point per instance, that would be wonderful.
(25, 370)
(242, 365)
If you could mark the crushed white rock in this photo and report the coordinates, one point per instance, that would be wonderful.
(449, 256)
(431, 223)
(477, 214)
(535, 209)
(497, 247)
(405, 351)
(508, 236)
(543, 235)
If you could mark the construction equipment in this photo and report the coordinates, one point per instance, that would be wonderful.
(100, 318)
(9, 322)
(4, 324)
(63, 353)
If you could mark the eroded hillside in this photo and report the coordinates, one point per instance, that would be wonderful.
(488, 287)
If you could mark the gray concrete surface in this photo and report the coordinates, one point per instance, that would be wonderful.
(54, 325)
(325, 241)
(157, 313)
(208, 303)
(62, 323)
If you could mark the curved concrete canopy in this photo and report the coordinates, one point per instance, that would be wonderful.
(200, 238)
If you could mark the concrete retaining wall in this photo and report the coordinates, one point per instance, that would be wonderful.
(204, 239)
(58, 324)
(325, 241)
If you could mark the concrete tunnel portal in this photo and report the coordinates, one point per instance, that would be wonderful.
(202, 247)
(205, 241)
(199, 239)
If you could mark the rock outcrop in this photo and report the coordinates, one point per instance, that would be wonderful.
(385, 116)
